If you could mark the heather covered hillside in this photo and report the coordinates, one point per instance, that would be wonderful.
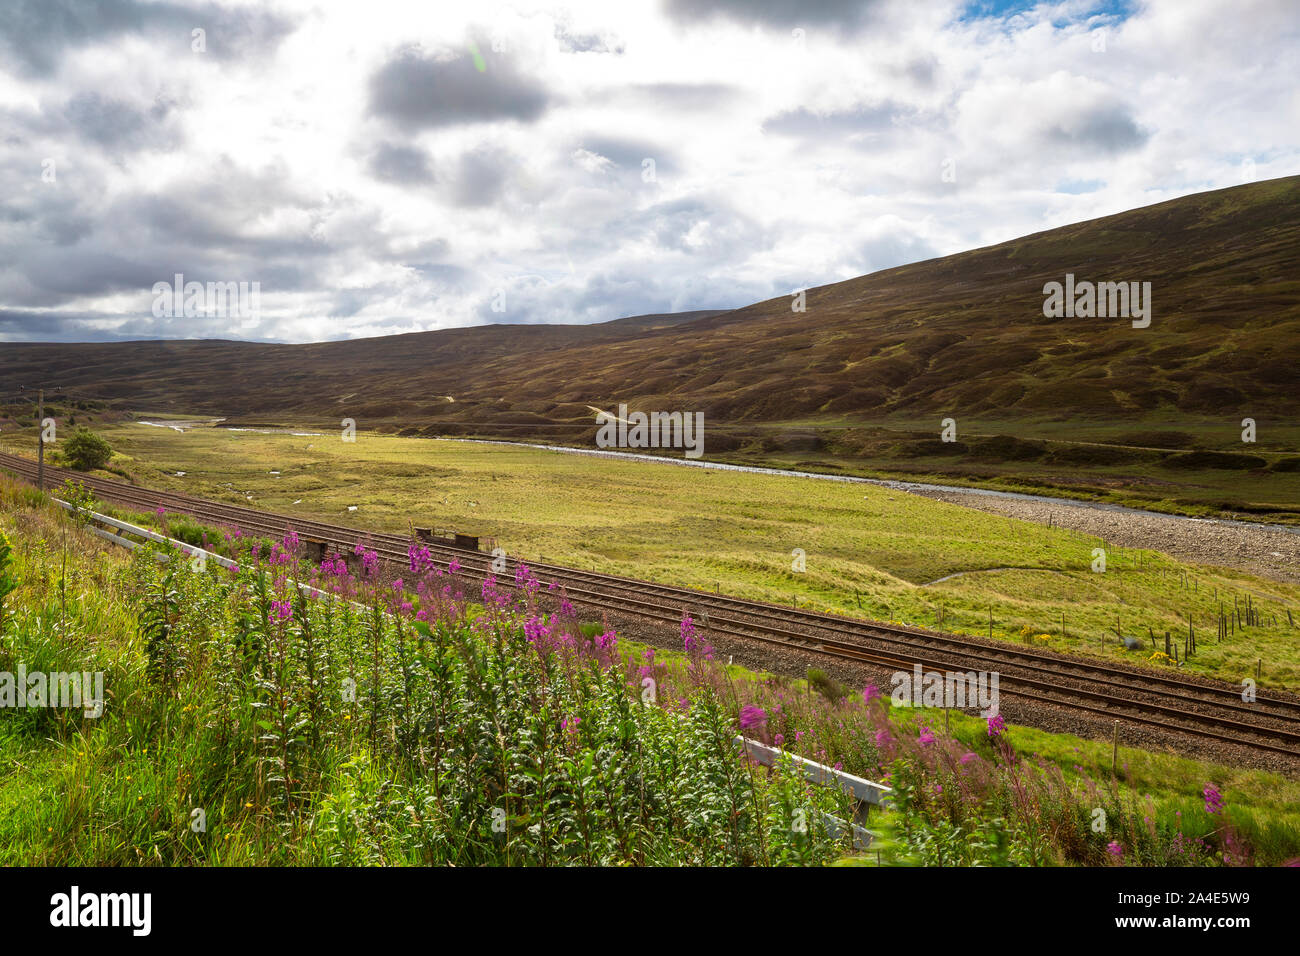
(964, 335)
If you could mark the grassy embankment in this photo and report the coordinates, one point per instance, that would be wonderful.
(123, 788)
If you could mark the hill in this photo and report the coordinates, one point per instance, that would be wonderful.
(959, 335)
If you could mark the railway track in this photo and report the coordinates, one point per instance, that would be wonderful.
(1139, 696)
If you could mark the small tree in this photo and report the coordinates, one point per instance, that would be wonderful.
(86, 451)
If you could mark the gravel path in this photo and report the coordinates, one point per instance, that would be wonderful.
(1264, 551)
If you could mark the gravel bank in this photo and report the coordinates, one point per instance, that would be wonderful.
(1264, 551)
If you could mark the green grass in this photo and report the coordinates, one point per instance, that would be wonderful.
(121, 790)
(870, 551)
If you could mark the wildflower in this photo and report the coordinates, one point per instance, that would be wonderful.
(688, 633)
(779, 740)
(751, 716)
(570, 724)
(399, 585)
(870, 693)
(160, 511)
(1114, 849)
(453, 566)
(926, 737)
(535, 630)
(280, 611)
(996, 725)
(291, 540)
(1213, 799)
(965, 758)
(606, 641)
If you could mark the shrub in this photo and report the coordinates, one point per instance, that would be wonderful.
(827, 686)
(1214, 459)
(86, 451)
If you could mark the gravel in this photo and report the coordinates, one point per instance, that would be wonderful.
(1265, 551)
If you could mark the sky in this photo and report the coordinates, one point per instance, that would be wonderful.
(382, 167)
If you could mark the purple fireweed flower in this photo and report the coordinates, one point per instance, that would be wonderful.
(1213, 799)
(535, 630)
(280, 611)
(926, 737)
(399, 585)
(524, 578)
(453, 566)
(160, 511)
(291, 540)
(751, 716)
(570, 724)
(870, 693)
(421, 559)
(606, 641)
(565, 606)
(369, 562)
(1114, 849)
(966, 758)
(996, 725)
(688, 634)
(778, 740)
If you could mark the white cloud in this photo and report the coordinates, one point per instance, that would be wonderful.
(385, 166)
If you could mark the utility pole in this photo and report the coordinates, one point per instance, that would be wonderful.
(40, 439)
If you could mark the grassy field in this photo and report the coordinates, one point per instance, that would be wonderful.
(122, 789)
(869, 550)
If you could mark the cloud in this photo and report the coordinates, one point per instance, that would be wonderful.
(587, 42)
(401, 165)
(846, 14)
(35, 34)
(481, 176)
(371, 186)
(423, 91)
(861, 119)
(119, 127)
(680, 96)
(1107, 128)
